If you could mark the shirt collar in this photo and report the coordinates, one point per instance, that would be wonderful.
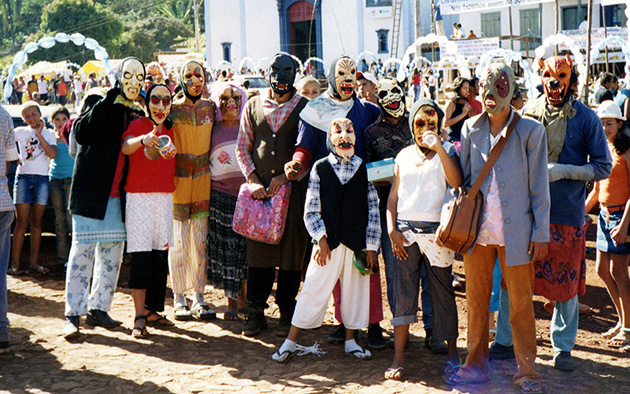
(334, 159)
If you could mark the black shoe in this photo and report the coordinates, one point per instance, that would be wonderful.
(284, 326)
(375, 338)
(100, 318)
(438, 347)
(500, 352)
(71, 326)
(256, 322)
(564, 362)
(5, 347)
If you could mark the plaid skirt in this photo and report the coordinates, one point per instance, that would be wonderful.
(227, 250)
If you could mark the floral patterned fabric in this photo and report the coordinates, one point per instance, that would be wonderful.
(562, 273)
(224, 169)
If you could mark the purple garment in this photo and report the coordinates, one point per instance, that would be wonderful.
(225, 173)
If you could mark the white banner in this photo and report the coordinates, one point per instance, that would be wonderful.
(477, 47)
(580, 36)
(462, 6)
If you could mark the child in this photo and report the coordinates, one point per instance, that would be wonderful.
(342, 215)
(613, 249)
(60, 179)
(149, 215)
(37, 144)
(308, 87)
(422, 175)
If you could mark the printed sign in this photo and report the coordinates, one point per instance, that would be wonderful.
(477, 47)
(579, 36)
(462, 6)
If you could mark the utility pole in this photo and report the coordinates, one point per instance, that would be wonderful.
(588, 52)
(196, 5)
(418, 27)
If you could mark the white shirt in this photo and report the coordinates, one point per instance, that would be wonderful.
(34, 159)
(42, 87)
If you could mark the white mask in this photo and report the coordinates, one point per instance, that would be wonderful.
(131, 78)
(343, 138)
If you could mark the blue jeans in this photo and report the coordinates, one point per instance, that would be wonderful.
(60, 196)
(6, 218)
(31, 189)
(496, 286)
(564, 324)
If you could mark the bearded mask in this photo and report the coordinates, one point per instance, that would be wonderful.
(230, 103)
(497, 88)
(130, 77)
(343, 78)
(341, 138)
(391, 98)
(282, 73)
(425, 116)
(193, 80)
(556, 79)
(159, 101)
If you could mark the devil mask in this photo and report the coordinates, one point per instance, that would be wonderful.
(158, 103)
(193, 79)
(343, 78)
(282, 73)
(425, 116)
(130, 77)
(497, 88)
(341, 138)
(556, 79)
(391, 98)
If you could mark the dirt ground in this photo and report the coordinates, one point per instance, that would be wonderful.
(197, 357)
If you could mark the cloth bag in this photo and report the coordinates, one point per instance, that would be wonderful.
(261, 220)
(463, 214)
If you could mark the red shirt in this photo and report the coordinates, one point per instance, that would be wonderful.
(62, 89)
(146, 175)
(476, 104)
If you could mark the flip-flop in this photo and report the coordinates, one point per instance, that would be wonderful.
(619, 338)
(161, 321)
(451, 368)
(395, 373)
(361, 354)
(40, 269)
(15, 271)
(231, 316)
(283, 357)
(182, 312)
(530, 387)
(613, 332)
(459, 379)
(140, 332)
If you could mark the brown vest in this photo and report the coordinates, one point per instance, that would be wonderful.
(271, 151)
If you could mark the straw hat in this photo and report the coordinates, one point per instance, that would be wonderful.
(608, 109)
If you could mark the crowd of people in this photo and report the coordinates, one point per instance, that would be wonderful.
(161, 171)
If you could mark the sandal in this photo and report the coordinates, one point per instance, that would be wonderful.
(395, 373)
(231, 316)
(182, 312)
(15, 271)
(613, 332)
(283, 357)
(161, 321)
(203, 312)
(451, 368)
(361, 354)
(530, 387)
(620, 340)
(140, 332)
(462, 377)
(40, 269)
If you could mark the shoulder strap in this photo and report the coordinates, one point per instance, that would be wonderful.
(494, 155)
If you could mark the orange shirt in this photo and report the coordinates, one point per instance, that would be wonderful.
(616, 189)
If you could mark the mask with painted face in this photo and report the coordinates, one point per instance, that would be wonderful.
(556, 79)
(342, 138)
(343, 78)
(193, 80)
(159, 103)
(497, 88)
(230, 103)
(282, 73)
(130, 77)
(391, 98)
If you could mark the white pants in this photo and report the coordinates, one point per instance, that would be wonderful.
(187, 258)
(318, 286)
(100, 262)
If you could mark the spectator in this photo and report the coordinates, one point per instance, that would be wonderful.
(42, 90)
(472, 96)
(32, 88)
(62, 91)
(457, 110)
(308, 87)
(367, 87)
(471, 35)
(415, 81)
(606, 82)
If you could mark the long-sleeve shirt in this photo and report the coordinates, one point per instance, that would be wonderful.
(8, 152)
(344, 170)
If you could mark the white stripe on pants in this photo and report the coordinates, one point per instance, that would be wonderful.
(187, 258)
(99, 261)
(318, 286)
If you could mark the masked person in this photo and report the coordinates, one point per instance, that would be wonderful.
(339, 101)
(577, 153)
(514, 226)
(193, 118)
(266, 142)
(227, 250)
(149, 210)
(96, 196)
(341, 215)
(432, 166)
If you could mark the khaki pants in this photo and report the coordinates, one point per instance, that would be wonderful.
(478, 267)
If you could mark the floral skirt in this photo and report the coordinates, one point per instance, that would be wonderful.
(561, 274)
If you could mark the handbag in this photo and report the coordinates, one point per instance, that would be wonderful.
(463, 214)
(262, 220)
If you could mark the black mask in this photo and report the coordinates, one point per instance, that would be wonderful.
(282, 73)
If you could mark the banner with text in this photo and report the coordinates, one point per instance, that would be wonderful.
(579, 36)
(461, 6)
(477, 47)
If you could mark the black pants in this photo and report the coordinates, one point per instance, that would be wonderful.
(149, 270)
(259, 285)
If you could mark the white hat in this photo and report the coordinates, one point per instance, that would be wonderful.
(367, 76)
(608, 109)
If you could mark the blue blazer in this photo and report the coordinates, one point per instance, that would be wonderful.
(522, 177)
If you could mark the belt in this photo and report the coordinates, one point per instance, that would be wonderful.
(612, 209)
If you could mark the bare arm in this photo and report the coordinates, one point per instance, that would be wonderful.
(620, 232)
(50, 150)
(398, 240)
(448, 113)
(592, 198)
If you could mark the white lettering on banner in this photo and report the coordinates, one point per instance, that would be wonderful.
(476, 47)
(460, 6)
(579, 36)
